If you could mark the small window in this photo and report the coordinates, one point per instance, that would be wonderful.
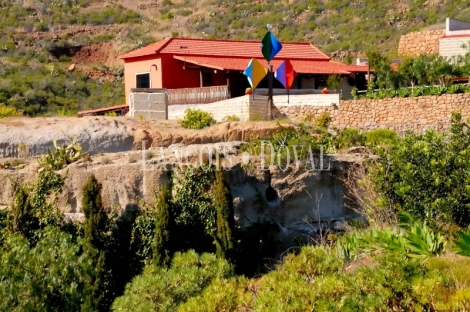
(142, 81)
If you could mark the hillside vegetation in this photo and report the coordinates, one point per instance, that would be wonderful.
(36, 36)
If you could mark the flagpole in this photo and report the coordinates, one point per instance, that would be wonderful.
(270, 91)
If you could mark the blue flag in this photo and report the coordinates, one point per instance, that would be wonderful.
(270, 46)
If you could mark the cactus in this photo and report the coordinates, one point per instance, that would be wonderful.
(61, 156)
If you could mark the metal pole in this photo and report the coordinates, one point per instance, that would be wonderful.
(270, 91)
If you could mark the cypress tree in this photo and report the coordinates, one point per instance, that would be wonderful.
(225, 219)
(96, 218)
(95, 215)
(161, 253)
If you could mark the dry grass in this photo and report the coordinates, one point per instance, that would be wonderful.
(11, 122)
(362, 197)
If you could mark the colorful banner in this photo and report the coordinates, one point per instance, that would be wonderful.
(285, 74)
(255, 72)
(270, 46)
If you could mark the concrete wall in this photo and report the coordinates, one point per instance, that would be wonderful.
(306, 100)
(452, 46)
(421, 42)
(254, 107)
(237, 106)
(148, 105)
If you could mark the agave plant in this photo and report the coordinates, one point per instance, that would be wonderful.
(453, 89)
(462, 244)
(61, 156)
(404, 92)
(421, 241)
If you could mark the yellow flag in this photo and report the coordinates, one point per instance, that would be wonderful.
(255, 72)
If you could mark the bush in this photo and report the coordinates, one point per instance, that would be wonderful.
(6, 111)
(426, 175)
(323, 121)
(159, 289)
(380, 136)
(52, 275)
(349, 138)
(197, 119)
(230, 118)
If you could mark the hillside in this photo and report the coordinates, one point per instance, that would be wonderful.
(39, 40)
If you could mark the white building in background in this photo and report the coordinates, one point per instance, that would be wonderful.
(457, 36)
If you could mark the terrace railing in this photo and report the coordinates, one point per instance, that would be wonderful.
(202, 95)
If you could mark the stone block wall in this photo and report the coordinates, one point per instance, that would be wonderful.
(306, 100)
(421, 42)
(255, 107)
(148, 105)
(400, 114)
(237, 106)
(452, 46)
(258, 109)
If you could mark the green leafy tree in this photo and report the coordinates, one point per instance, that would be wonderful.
(426, 175)
(334, 81)
(34, 205)
(414, 70)
(54, 275)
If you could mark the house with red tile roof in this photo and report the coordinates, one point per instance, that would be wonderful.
(176, 63)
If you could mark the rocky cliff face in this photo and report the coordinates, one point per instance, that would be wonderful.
(295, 199)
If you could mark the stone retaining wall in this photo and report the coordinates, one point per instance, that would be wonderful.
(418, 113)
(421, 42)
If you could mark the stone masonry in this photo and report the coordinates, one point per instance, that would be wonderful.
(417, 113)
(422, 42)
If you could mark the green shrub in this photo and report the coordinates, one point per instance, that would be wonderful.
(159, 289)
(426, 175)
(52, 275)
(196, 119)
(6, 111)
(168, 16)
(348, 138)
(380, 136)
(111, 114)
(230, 118)
(334, 81)
(323, 121)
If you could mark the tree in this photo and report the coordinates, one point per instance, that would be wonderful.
(439, 70)
(427, 176)
(413, 70)
(95, 228)
(161, 253)
(54, 275)
(334, 81)
(225, 218)
(95, 215)
(34, 205)
(387, 77)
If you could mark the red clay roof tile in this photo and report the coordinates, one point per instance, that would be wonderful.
(300, 66)
(226, 48)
